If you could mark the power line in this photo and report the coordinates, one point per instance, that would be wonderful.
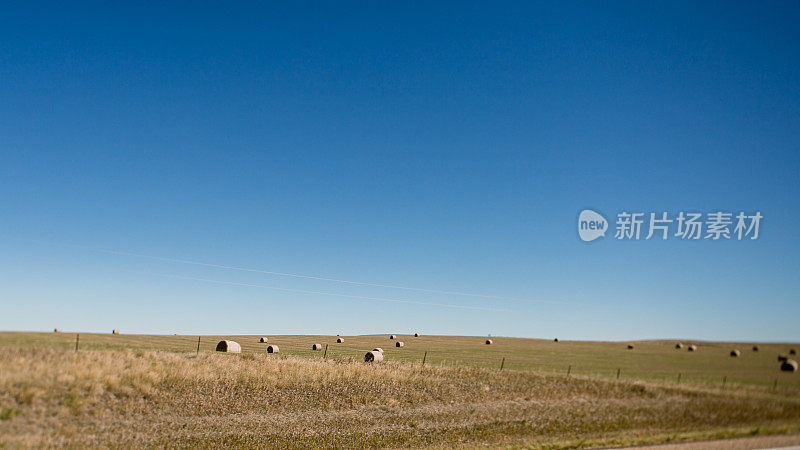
(292, 275)
(332, 294)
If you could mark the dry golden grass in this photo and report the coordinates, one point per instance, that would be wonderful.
(155, 399)
(652, 361)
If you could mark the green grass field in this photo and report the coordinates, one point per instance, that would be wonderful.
(654, 361)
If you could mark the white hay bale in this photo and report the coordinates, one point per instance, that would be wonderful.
(391, 336)
(399, 344)
(57, 330)
(229, 347)
(735, 353)
(555, 340)
(692, 348)
(755, 348)
(377, 349)
(416, 334)
(789, 365)
(273, 349)
(114, 331)
(263, 340)
(630, 346)
(679, 346)
(373, 356)
(339, 340)
(316, 347)
(488, 342)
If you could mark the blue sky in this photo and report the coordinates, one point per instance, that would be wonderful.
(447, 147)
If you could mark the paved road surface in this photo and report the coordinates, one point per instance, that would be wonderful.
(785, 442)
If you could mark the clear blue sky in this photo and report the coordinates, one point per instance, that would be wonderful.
(444, 147)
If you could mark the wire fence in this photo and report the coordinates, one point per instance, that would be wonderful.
(352, 349)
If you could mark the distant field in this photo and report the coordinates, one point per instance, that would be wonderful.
(653, 361)
(141, 398)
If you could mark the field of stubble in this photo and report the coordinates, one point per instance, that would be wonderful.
(106, 396)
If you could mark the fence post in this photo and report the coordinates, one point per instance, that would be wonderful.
(325, 355)
(198, 346)
(569, 369)
(424, 357)
(77, 339)
(502, 363)
(724, 380)
(618, 373)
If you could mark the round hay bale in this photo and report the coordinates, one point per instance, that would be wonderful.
(57, 330)
(630, 346)
(391, 336)
(316, 347)
(735, 353)
(679, 346)
(373, 356)
(782, 358)
(399, 344)
(488, 342)
(555, 340)
(755, 348)
(114, 331)
(229, 347)
(692, 348)
(792, 352)
(339, 340)
(416, 334)
(789, 365)
(377, 349)
(273, 349)
(263, 340)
